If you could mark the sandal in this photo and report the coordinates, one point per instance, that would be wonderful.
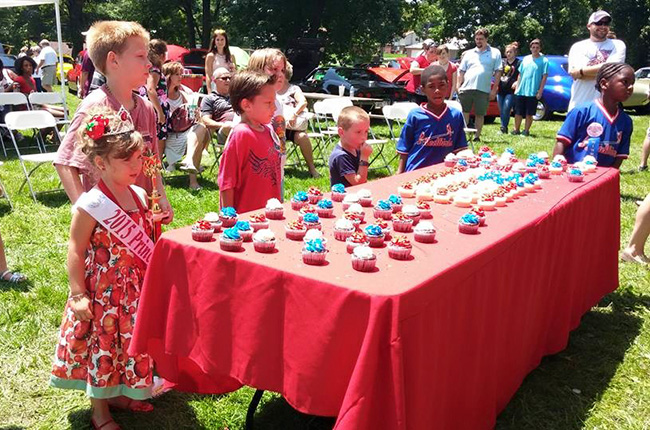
(628, 257)
(96, 427)
(14, 277)
(130, 406)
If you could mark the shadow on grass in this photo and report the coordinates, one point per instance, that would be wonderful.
(181, 180)
(277, 414)
(52, 199)
(11, 428)
(560, 393)
(171, 411)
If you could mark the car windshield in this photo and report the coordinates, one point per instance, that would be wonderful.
(565, 66)
(643, 74)
(355, 74)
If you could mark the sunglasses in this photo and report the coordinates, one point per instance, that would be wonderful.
(224, 78)
(602, 23)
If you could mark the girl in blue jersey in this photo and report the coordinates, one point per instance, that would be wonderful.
(432, 130)
(600, 128)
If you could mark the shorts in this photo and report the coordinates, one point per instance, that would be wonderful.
(176, 145)
(291, 134)
(525, 106)
(476, 98)
(49, 73)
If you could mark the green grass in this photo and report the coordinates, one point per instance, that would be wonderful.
(599, 382)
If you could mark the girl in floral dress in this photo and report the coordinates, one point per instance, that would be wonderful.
(106, 266)
(155, 89)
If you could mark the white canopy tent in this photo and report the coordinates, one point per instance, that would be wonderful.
(57, 12)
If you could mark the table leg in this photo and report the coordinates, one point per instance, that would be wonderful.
(250, 425)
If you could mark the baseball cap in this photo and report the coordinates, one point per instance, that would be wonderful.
(598, 16)
(428, 42)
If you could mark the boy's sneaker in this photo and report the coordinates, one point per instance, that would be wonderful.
(504, 130)
(525, 133)
(515, 132)
(643, 168)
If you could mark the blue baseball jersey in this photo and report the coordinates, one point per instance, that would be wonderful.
(613, 142)
(427, 138)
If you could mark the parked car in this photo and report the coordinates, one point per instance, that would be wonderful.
(68, 64)
(639, 99)
(8, 60)
(366, 84)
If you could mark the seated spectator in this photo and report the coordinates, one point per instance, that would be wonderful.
(24, 67)
(294, 106)
(185, 136)
(216, 111)
(6, 86)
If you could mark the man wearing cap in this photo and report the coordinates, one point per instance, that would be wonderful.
(587, 56)
(47, 65)
(421, 62)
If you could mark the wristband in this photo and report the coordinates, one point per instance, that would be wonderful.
(581, 73)
(363, 163)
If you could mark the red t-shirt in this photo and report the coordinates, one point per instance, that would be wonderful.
(250, 166)
(27, 86)
(451, 69)
(414, 83)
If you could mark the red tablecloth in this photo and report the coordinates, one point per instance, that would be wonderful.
(441, 341)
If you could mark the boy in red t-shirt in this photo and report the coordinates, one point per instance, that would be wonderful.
(250, 171)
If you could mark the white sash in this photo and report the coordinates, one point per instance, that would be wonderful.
(117, 222)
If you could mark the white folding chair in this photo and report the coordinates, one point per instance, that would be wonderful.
(11, 99)
(325, 134)
(373, 141)
(4, 193)
(39, 99)
(39, 120)
(471, 131)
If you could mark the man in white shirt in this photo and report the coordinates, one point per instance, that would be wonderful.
(47, 65)
(587, 57)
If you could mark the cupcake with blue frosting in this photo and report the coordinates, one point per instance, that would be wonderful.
(314, 252)
(311, 221)
(338, 192)
(228, 216)
(383, 210)
(375, 235)
(469, 223)
(576, 175)
(395, 202)
(299, 200)
(245, 230)
(231, 240)
(325, 208)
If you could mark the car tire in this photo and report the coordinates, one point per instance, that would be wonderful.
(543, 112)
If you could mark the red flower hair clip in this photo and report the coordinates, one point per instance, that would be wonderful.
(96, 127)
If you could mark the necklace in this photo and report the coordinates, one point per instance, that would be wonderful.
(122, 108)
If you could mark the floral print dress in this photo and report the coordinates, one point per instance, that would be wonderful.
(161, 92)
(92, 355)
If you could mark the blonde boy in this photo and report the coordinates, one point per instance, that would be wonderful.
(119, 51)
(349, 159)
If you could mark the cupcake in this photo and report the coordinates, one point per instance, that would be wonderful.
(307, 209)
(463, 198)
(202, 231)
(543, 155)
(353, 217)
(543, 171)
(450, 160)
(406, 190)
(559, 158)
(356, 209)
(425, 210)
(399, 248)
(468, 223)
(231, 240)
(350, 199)
(228, 216)
(487, 203)
(383, 209)
(395, 202)
(314, 194)
(402, 223)
(299, 200)
(214, 220)
(314, 234)
(245, 230)
(576, 175)
(424, 232)
(519, 167)
(556, 168)
(274, 209)
(412, 212)
(442, 196)
(258, 221)
(295, 230)
(363, 259)
(480, 214)
(531, 166)
(365, 197)
(383, 224)
(356, 239)
(590, 163)
(343, 228)
(375, 235)
(338, 192)
(264, 241)
(500, 198)
(325, 208)
(423, 192)
(314, 252)
(311, 221)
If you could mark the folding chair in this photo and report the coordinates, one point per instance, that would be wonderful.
(10, 99)
(373, 141)
(3, 192)
(36, 99)
(471, 131)
(320, 129)
(38, 120)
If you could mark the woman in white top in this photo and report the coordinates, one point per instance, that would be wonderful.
(218, 56)
(185, 136)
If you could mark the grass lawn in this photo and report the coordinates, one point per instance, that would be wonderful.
(599, 382)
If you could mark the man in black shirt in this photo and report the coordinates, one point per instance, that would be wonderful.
(216, 111)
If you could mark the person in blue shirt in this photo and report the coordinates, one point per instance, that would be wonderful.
(348, 161)
(600, 128)
(432, 130)
(533, 72)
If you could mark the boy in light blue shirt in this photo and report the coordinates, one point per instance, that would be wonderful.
(533, 72)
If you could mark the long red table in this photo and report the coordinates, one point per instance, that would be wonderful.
(441, 341)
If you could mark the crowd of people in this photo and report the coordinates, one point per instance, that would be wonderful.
(141, 111)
